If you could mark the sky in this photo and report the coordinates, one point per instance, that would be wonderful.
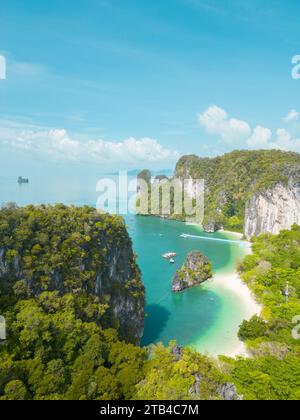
(93, 85)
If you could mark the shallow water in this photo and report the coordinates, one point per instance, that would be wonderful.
(207, 316)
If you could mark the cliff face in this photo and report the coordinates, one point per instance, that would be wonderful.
(273, 210)
(246, 191)
(73, 250)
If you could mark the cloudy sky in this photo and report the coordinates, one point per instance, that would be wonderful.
(109, 84)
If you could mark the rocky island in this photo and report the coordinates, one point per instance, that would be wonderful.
(196, 270)
(77, 251)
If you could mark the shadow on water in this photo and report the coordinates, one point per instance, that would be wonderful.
(156, 321)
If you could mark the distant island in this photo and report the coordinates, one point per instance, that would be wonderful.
(22, 180)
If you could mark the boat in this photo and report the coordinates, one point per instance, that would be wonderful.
(22, 180)
(169, 255)
(184, 235)
(172, 261)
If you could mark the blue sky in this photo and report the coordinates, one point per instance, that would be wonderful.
(131, 83)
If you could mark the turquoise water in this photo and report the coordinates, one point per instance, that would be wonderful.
(194, 314)
(207, 316)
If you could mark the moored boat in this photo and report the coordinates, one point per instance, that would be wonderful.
(169, 255)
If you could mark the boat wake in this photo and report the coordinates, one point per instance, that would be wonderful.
(205, 238)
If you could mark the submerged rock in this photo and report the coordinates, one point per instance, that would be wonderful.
(196, 270)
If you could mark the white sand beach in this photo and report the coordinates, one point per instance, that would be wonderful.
(233, 283)
(223, 340)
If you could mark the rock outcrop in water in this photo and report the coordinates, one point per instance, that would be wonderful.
(273, 210)
(196, 270)
(73, 250)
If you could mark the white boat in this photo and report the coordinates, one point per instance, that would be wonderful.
(169, 255)
(172, 261)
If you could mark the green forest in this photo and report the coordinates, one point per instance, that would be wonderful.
(64, 342)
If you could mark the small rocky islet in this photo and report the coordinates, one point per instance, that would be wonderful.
(196, 270)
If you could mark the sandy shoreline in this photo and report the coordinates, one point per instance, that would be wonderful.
(235, 234)
(233, 283)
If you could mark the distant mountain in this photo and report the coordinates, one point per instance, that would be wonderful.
(136, 172)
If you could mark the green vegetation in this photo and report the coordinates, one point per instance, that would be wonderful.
(63, 273)
(65, 339)
(234, 178)
(274, 370)
(71, 250)
(56, 351)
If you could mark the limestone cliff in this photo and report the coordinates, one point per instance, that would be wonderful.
(73, 250)
(246, 191)
(273, 210)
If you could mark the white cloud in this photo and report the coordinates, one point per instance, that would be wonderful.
(292, 116)
(238, 133)
(260, 137)
(58, 144)
(215, 121)
(285, 141)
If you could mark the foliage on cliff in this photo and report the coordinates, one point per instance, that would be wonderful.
(233, 178)
(70, 250)
(183, 375)
(69, 288)
(196, 270)
(56, 351)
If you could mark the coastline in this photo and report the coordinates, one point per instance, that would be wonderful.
(236, 235)
(226, 341)
(233, 283)
(223, 339)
